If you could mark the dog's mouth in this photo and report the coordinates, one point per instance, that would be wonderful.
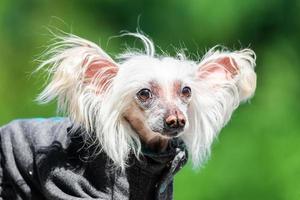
(171, 132)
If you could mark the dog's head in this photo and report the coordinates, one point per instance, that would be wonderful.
(145, 98)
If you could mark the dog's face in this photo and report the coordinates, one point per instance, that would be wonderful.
(148, 98)
(165, 106)
(164, 94)
(161, 91)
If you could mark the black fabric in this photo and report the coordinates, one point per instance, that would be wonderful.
(43, 159)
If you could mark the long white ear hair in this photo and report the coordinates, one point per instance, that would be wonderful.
(77, 68)
(86, 83)
(81, 76)
(223, 80)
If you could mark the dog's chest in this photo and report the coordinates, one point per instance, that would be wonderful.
(149, 178)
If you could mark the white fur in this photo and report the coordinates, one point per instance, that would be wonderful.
(101, 110)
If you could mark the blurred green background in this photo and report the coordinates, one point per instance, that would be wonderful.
(257, 156)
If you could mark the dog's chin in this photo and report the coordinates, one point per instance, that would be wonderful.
(170, 134)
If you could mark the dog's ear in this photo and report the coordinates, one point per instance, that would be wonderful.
(79, 71)
(221, 67)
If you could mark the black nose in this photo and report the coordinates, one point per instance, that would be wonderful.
(175, 122)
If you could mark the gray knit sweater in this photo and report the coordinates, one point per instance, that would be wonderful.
(43, 159)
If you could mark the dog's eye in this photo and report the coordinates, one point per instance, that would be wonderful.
(186, 91)
(144, 94)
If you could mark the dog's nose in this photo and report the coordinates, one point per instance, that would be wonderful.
(175, 122)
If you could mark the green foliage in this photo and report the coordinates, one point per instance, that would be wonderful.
(257, 154)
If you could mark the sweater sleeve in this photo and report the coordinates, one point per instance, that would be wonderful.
(61, 178)
(14, 163)
(34, 163)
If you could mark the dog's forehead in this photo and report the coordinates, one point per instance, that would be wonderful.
(161, 70)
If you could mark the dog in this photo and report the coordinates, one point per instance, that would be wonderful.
(130, 123)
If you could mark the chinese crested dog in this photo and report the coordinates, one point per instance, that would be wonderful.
(143, 113)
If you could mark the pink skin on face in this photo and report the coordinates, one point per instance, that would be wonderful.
(174, 115)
